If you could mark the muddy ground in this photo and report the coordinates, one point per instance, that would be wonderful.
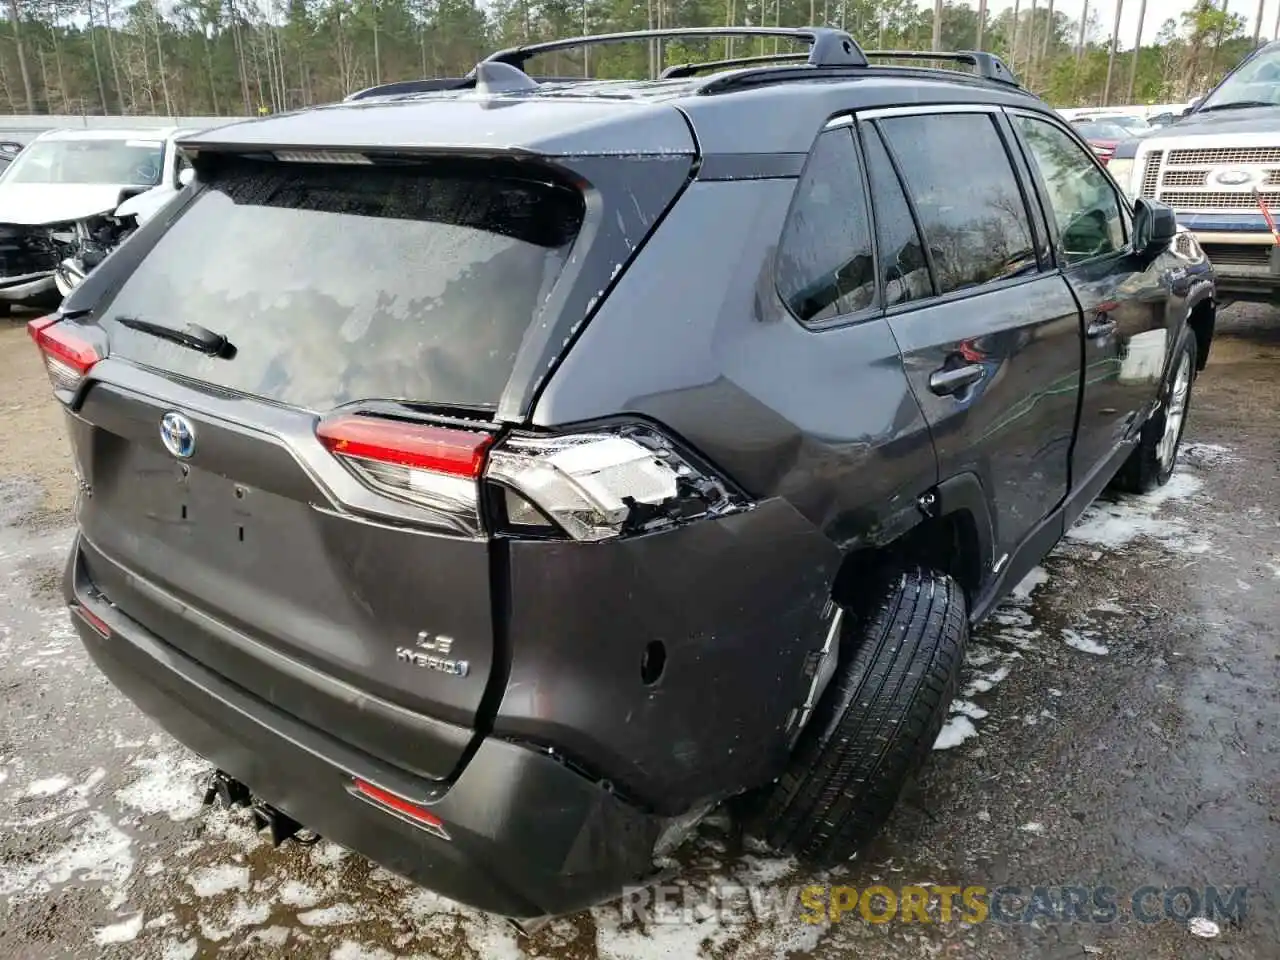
(1118, 728)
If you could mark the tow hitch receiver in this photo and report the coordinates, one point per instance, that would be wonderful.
(230, 793)
(280, 825)
(226, 790)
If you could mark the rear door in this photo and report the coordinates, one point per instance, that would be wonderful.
(283, 441)
(990, 338)
(1124, 297)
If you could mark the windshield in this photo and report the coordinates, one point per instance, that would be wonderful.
(1256, 83)
(133, 162)
(1096, 130)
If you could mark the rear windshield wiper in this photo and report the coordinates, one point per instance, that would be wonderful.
(194, 337)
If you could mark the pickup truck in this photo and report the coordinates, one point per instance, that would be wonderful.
(1218, 166)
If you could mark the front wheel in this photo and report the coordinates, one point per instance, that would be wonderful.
(899, 668)
(1151, 463)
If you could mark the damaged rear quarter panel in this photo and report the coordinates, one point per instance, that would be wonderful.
(735, 602)
(819, 427)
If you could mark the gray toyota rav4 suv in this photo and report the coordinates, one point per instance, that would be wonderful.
(493, 475)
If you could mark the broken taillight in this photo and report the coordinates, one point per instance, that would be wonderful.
(594, 486)
(67, 357)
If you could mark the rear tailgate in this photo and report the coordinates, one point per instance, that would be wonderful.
(344, 581)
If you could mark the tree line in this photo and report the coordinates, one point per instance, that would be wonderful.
(236, 57)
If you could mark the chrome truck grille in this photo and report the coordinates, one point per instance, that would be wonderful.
(1213, 178)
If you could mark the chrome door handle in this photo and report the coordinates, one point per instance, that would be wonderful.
(949, 380)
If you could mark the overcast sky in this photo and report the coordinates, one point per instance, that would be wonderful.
(1158, 11)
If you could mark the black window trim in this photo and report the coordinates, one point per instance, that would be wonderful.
(1042, 190)
(995, 112)
(844, 121)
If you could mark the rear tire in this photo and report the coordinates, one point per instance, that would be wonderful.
(876, 722)
(1151, 463)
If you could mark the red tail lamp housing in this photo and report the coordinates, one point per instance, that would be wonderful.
(457, 453)
(67, 356)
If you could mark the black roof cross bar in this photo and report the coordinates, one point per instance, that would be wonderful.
(680, 70)
(828, 47)
(986, 65)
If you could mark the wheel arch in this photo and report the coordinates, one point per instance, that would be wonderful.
(1201, 320)
(954, 535)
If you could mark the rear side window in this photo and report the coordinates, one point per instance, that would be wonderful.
(341, 283)
(966, 195)
(903, 265)
(825, 264)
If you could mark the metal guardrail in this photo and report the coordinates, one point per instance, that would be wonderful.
(24, 128)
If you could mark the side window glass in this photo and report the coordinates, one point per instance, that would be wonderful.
(825, 266)
(1084, 204)
(966, 195)
(903, 267)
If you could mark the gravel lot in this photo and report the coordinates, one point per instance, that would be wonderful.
(1119, 727)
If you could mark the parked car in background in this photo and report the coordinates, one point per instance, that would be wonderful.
(494, 477)
(1102, 135)
(72, 196)
(1217, 166)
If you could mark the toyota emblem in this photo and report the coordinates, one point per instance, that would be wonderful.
(178, 435)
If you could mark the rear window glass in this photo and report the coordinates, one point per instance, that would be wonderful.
(339, 283)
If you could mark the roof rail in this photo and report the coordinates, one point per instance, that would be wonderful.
(400, 87)
(828, 47)
(986, 65)
(680, 70)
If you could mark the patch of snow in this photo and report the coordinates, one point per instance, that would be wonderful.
(48, 787)
(954, 732)
(1203, 927)
(179, 950)
(155, 923)
(984, 682)
(328, 854)
(1109, 606)
(239, 915)
(1027, 585)
(216, 880)
(99, 851)
(1083, 641)
(294, 893)
(121, 932)
(1033, 827)
(350, 950)
(969, 709)
(153, 868)
(1115, 523)
(270, 936)
(169, 785)
(337, 915)
(1206, 454)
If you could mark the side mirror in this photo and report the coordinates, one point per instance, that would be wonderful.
(1154, 227)
(185, 176)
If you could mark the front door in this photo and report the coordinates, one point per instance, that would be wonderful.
(1124, 297)
(992, 342)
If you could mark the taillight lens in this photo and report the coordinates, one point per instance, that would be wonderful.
(67, 357)
(428, 465)
(593, 486)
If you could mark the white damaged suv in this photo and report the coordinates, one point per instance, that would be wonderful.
(71, 197)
